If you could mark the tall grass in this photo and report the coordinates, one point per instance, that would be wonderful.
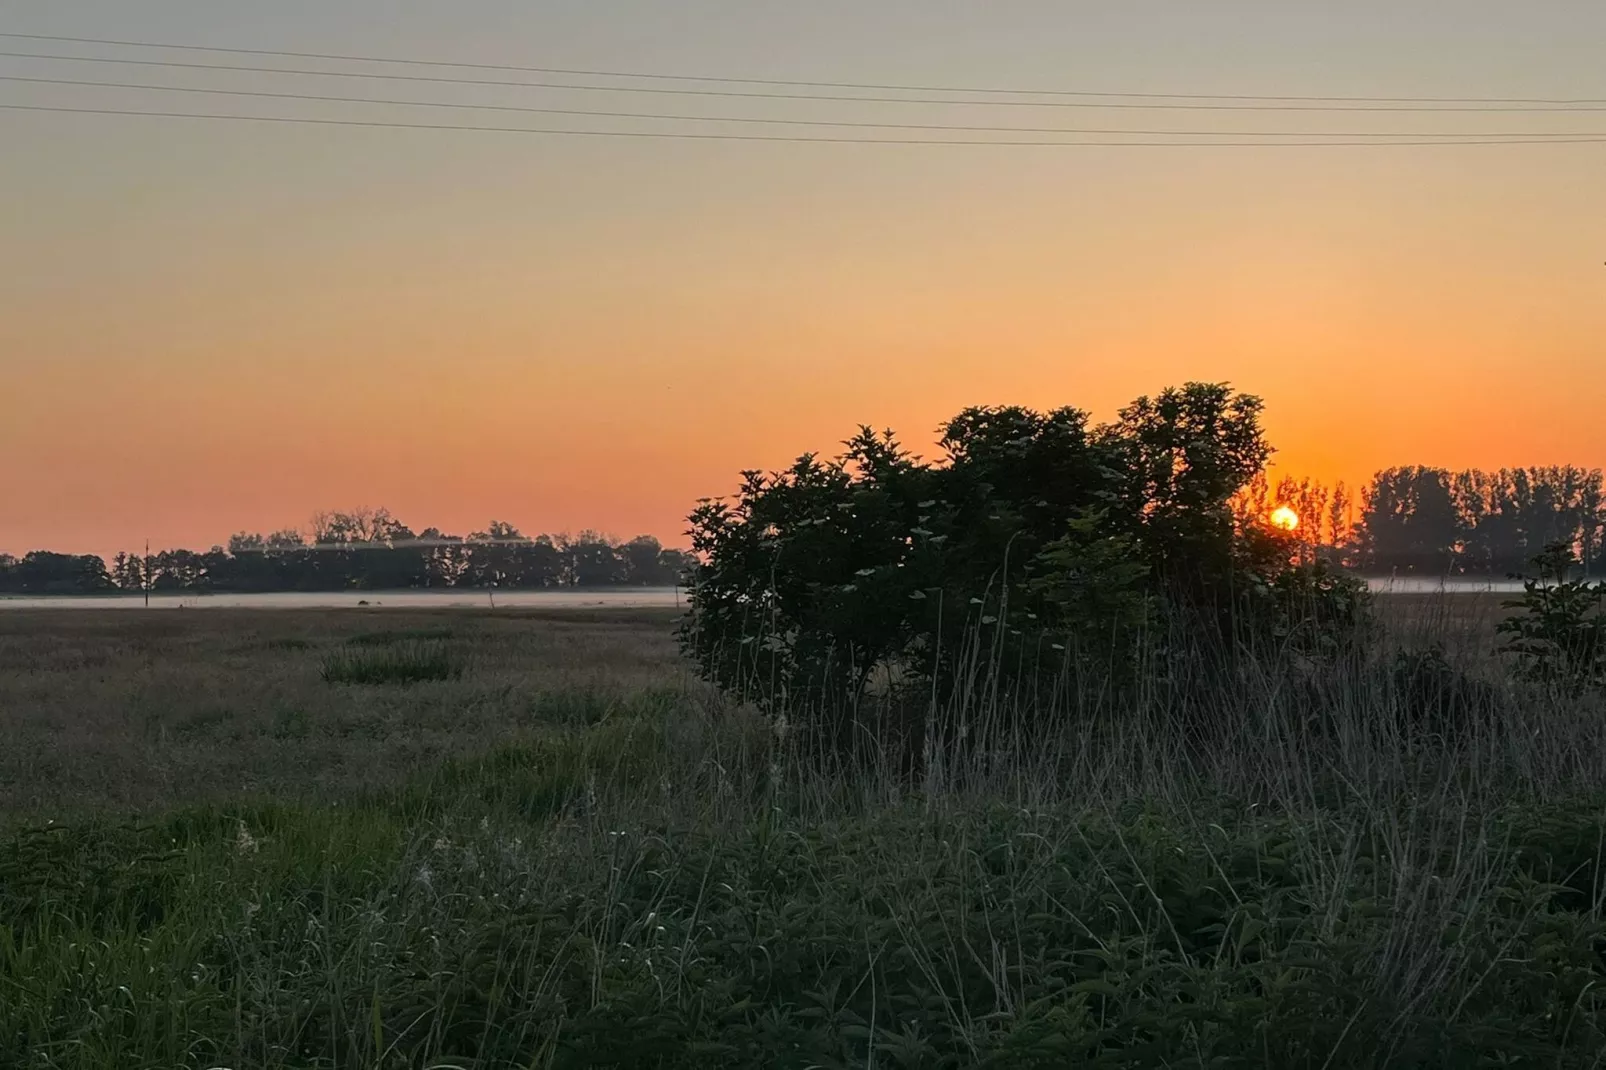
(408, 662)
(1334, 865)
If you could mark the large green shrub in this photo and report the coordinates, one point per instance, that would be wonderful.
(1039, 546)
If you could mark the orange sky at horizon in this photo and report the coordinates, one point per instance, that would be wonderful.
(225, 327)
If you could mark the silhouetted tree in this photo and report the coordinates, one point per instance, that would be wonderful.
(503, 556)
(1038, 546)
(593, 561)
(1341, 525)
(1409, 522)
(1501, 519)
(641, 559)
(675, 567)
(41, 572)
(1177, 461)
(366, 549)
(128, 572)
(445, 559)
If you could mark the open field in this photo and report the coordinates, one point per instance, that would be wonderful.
(1462, 623)
(123, 713)
(476, 839)
(127, 712)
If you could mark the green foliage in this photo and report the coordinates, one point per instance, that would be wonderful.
(1177, 461)
(1095, 589)
(285, 937)
(1039, 547)
(645, 878)
(407, 662)
(1313, 608)
(1559, 638)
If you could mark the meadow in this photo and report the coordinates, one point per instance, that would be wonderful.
(499, 838)
(107, 715)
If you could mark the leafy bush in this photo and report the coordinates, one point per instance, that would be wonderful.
(1040, 547)
(402, 663)
(1560, 637)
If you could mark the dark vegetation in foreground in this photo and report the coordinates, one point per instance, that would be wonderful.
(1039, 757)
(574, 855)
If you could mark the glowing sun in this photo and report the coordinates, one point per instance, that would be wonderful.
(1284, 518)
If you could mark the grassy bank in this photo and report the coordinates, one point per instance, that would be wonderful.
(560, 851)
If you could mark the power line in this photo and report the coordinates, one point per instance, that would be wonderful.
(683, 135)
(874, 86)
(327, 98)
(754, 95)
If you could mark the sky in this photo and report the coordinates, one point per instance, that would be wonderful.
(212, 326)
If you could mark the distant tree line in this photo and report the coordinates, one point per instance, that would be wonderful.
(1406, 521)
(360, 550)
(1438, 522)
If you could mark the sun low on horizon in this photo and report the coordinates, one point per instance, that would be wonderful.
(1284, 519)
(259, 290)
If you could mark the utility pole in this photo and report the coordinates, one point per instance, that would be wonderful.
(145, 576)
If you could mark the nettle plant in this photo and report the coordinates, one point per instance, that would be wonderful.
(1559, 638)
(1040, 546)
